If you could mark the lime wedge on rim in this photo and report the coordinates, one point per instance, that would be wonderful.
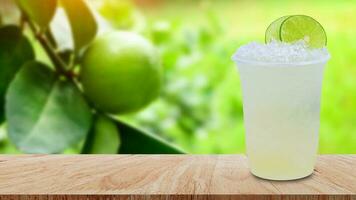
(297, 27)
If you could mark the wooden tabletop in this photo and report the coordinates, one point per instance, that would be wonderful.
(165, 177)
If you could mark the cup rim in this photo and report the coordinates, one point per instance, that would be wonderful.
(239, 60)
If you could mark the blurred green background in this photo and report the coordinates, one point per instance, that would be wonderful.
(200, 108)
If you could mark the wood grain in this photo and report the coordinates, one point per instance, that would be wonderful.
(166, 177)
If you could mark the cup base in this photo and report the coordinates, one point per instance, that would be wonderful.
(281, 178)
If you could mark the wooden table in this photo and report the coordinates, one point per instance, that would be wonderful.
(165, 177)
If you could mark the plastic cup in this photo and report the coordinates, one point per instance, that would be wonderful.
(281, 105)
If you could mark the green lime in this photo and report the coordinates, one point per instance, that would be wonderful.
(273, 30)
(121, 72)
(302, 27)
(297, 27)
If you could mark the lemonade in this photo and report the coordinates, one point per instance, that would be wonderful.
(281, 87)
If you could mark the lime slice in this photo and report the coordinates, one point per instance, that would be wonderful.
(301, 27)
(273, 30)
(297, 27)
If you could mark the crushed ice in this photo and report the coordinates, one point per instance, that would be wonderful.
(279, 52)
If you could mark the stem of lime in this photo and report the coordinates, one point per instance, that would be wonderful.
(60, 66)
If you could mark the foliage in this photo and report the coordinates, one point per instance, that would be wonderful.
(40, 11)
(15, 50)
(46, 110)
(51, 117)
(82, 22)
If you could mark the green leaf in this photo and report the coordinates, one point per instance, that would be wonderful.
(82, 22)
(40, 11)
(104, 137)
(15, 50)
(45, 114)
(136, 141)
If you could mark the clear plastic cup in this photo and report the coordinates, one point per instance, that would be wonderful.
(281, 105)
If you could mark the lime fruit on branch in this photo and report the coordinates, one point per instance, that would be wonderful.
(121, 72)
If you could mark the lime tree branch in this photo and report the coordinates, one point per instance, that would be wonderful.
(49, 49)
(59, 64)
(50, 37)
